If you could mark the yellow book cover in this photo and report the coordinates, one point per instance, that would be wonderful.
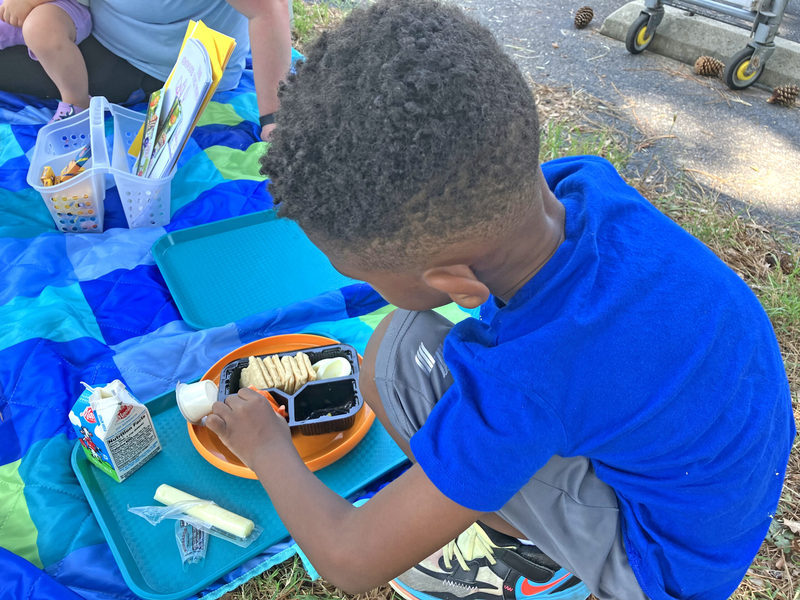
(219, 47)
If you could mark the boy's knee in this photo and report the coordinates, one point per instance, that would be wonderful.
(367, 375)
(369, 388)
(403, 374)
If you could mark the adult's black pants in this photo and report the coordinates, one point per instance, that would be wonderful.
(109, 75)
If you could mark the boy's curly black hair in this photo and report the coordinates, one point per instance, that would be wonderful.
(406, 127)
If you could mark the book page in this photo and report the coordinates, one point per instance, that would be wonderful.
(219, 48)
(183, 98)
(151, 122)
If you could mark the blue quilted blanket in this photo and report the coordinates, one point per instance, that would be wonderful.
(93, 308)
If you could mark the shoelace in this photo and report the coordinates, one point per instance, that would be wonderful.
(469, 545)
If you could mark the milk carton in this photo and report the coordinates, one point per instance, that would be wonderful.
(115, 429)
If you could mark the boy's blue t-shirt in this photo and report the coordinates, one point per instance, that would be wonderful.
(638, 348)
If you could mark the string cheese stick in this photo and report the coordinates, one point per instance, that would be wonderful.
(210, 513)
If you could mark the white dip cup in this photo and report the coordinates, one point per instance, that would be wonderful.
(195, 400)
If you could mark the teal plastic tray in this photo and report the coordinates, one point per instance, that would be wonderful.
(148, 555)
(222, 271)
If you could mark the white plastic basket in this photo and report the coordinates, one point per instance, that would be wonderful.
(77, 205)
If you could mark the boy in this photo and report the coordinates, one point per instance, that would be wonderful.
(622, 402)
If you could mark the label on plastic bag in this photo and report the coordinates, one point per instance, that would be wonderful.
(192, 542)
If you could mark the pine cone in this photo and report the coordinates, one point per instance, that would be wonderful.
(787, 265)
(785, 95)
(583, 17)
(708, 66)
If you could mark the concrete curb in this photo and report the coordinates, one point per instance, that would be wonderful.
(685, 38)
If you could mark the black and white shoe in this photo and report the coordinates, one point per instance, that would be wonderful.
(484, 564)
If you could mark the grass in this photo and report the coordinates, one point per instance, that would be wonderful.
(574, 123)
(309, 18)
(569, 139)
(288, 581)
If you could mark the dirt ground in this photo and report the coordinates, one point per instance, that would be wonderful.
(735, 143)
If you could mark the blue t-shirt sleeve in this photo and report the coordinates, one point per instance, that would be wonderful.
(481, 411)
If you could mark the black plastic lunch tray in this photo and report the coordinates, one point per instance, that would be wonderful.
(319, 406)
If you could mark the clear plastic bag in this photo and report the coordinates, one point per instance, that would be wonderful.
(155, 514)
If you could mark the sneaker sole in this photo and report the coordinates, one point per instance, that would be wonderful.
(577, 592)
(407, 594)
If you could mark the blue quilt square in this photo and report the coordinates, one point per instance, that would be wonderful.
(14, 173)
(26, 136)
(240, 136)
(230, 199)
(41, 380)
(130, 303)
(28, 265)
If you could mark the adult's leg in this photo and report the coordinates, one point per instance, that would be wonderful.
(50, 34)
(109, 75)
(112, 76)
(20, 74)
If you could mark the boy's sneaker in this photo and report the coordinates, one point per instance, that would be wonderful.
(484, 564)
(65, 110)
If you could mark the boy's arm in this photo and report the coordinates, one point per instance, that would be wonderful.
(14, 12)
(356, 549)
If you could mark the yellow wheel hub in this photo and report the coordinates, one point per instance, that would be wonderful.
(741, 72)
(643, 38)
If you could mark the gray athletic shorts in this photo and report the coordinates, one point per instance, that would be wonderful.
(570, 514)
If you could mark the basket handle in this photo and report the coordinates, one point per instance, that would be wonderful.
(97, 136)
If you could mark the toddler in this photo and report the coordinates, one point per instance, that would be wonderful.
(52, 31)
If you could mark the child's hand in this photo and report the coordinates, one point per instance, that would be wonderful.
(250, 428)
(14, 12)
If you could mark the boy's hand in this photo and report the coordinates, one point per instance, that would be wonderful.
(250, 428)
(14, 12)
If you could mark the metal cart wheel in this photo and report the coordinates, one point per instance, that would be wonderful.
(639, 34)
(739, 72)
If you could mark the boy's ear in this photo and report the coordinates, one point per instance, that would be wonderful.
(458, 282)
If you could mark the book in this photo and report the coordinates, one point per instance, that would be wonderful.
(151, 120)
(188, 89)
(184, 97)
(165, 133)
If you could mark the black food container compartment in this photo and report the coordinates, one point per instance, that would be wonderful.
(319, 406)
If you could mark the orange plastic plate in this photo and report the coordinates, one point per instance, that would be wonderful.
(317, 451)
